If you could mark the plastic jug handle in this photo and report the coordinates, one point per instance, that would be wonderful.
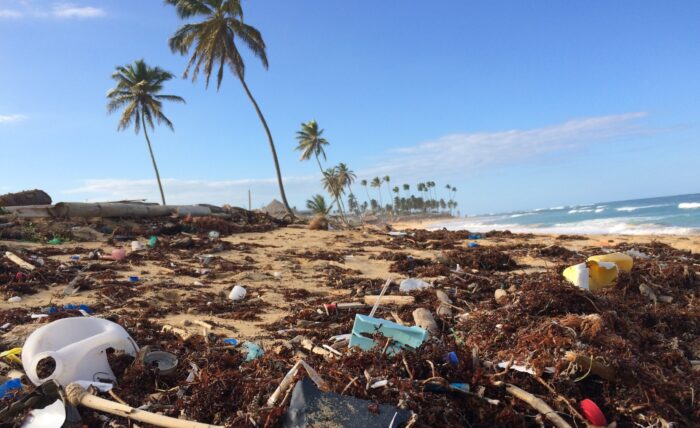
(31, 370)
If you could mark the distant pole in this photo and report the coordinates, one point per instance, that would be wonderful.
(249, 205)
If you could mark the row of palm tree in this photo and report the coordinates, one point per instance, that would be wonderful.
(211, 43)
(427, 201)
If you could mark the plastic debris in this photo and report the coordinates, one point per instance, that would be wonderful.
(55, 241)
(311, 407)
(73, 349)
(400, 335)
(152, 241)
(592, 412)
(473, 245)
(410, 284)
(214, 235)
(253, 350)
(237, 293)
(165, 362)
(598, 271)
(10, 387)
(12, 355)
(134, 278)
(51, 416)
(14, 299)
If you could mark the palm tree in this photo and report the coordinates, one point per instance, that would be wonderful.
(387, 179)
(406, 188)
(377, 183)
(346, 175)
(363, 183)
(333, 185)
(138, 92)
(214, 43)
(318, 205)
(311, 143)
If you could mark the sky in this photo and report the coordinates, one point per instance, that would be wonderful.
(517, 104)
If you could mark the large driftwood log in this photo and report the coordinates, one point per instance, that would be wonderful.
(27, 197)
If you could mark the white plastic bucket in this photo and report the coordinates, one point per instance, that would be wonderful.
(78, 347)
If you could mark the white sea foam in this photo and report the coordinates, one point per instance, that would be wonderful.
(581, 210)
(620, 226)
(643, 207)
(599, 209)
(689, 205)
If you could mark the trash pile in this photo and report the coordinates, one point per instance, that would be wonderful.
(614, 339)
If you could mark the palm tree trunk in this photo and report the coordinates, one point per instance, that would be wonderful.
(153, 159)
(272, 147)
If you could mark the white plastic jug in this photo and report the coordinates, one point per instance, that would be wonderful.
(79, 348)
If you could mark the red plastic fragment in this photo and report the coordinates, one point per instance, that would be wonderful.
(592, 412)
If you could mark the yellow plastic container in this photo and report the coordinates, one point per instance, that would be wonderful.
(623, 261)
(599, 271)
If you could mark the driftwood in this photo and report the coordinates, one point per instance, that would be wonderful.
(18, 261)
(590, 365)
(444, 309)
(391, 300)
(538, 405)
(289, 378)
(424, 319)
(27, 197)
(77, 395)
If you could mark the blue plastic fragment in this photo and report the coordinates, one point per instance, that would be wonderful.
(473, 245)
(401, 336)
(474, 236)
(230, 341)
(254, 351)
(7, 389)
(73, 307)
(451, 357)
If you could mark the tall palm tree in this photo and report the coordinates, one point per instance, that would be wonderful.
(346, 176)
(387, 179)
(406, 188)
(333, 184)
(311, 143)
(377, 183)
(213, 41)
(317, 204)
(138, 92)
(363, 183)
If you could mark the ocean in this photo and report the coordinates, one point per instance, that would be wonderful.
(668, 215)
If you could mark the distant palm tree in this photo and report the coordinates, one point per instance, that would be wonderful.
(387, 179)
(214, 41)
(138, 92)
(363, 183)
(317, 204)
(406, 188)
(377, 183)
(311, 143)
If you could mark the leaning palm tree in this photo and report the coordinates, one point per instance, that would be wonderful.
(317, 204)
(213, 41)
(363, 183)
(138, 93)
(346, 176)
(387, 179)
(311, 143)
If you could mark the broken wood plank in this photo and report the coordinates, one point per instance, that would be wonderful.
(424, 319)
(390, 300)
(18, 261)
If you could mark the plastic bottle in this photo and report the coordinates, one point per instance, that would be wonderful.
(78, 348)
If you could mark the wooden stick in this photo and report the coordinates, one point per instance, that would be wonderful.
(591, 365)
(444, 309)
(424, 319)
(391, 300)
(538, 405)
(19, 262)
(78, 396)
(286, 382)
(397, 318)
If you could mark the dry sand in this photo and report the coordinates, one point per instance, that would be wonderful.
(276, 273)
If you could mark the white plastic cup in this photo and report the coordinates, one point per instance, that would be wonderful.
(136, 246)
(237, 293)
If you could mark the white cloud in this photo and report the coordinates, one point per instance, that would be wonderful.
(9, 13)
(9, 118)
(72, 11)
(178, 191)
(35, 9)
(469, 151)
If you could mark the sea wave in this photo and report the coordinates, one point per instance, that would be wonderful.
(643, 207)
(619, 226)
(689, 205)
(581, 210)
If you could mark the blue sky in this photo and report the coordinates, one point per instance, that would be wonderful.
(518, 104)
